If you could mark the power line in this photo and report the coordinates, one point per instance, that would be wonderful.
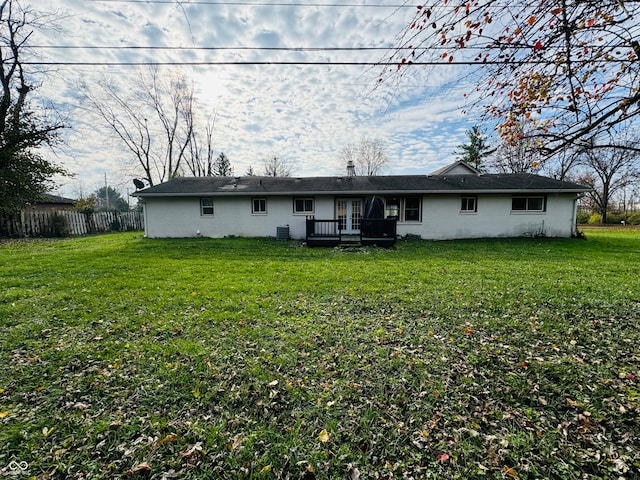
(256, 4)
(275, 49)
(290, 63)
(184, 3)
(279, 49)
(399, 6)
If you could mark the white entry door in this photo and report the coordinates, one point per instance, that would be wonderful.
(349, 213)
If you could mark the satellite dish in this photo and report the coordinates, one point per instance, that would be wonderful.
(138, 183)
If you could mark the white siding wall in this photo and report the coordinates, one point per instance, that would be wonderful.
(441, 218)
(180, 217)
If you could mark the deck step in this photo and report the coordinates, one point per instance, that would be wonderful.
(350, 244)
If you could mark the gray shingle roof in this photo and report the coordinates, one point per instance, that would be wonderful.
(398, 184)
(49, 198)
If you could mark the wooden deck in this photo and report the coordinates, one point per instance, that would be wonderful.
(329, 233)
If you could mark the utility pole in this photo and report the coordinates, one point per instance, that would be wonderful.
(106, 192)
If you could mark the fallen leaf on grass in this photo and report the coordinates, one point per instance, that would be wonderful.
(144, 468)
(4, 414)
(236, 442)
(58, 453)
(190, 451)
(510, 472)
(170, 474)
(354, 473)
(443, 457)
(265, 469)
(324, 436)
(80, 406)
(169, 438)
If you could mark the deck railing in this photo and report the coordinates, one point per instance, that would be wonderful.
(323, 228)
(378, 228)
(321, 232)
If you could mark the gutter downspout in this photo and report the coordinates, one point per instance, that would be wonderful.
(574, 219)
(144, 216)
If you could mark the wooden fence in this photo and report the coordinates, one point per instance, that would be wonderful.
(46, 223)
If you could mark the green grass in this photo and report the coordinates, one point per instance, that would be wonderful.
(239, 358)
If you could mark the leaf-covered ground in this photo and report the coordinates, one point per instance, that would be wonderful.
(124, 357)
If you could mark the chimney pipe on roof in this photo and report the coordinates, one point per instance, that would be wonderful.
(351, 169)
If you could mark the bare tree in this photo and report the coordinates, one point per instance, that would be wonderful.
(519, 155)
(368, 157)
(200, 161)
(276, 167)
(24, 173)
(608, 171)
(515, 157)
(562, 164)
(155, 120)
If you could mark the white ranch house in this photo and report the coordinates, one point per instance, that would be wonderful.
(452, 203)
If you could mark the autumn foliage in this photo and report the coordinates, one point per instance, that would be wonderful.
(569, 67)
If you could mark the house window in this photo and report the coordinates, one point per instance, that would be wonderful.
(404, 209)
(392, 208)
(303, 205)
(468, 204)
(206, 206)
(259, 206)
(411, 209)
(528, 204)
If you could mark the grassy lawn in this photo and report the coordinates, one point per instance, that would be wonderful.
(129, 357)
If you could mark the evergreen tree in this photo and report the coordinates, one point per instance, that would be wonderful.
(476, 150)
(222, 166)
(109, 199)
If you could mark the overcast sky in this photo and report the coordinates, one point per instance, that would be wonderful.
(304, 114)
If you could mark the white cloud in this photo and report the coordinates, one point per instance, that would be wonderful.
(305, 114)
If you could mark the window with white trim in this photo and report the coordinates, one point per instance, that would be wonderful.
(206, 206)
(404, 209)
(468, 204)
(528, 204)
(259, 206)
(303, 205)
(411, 209)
